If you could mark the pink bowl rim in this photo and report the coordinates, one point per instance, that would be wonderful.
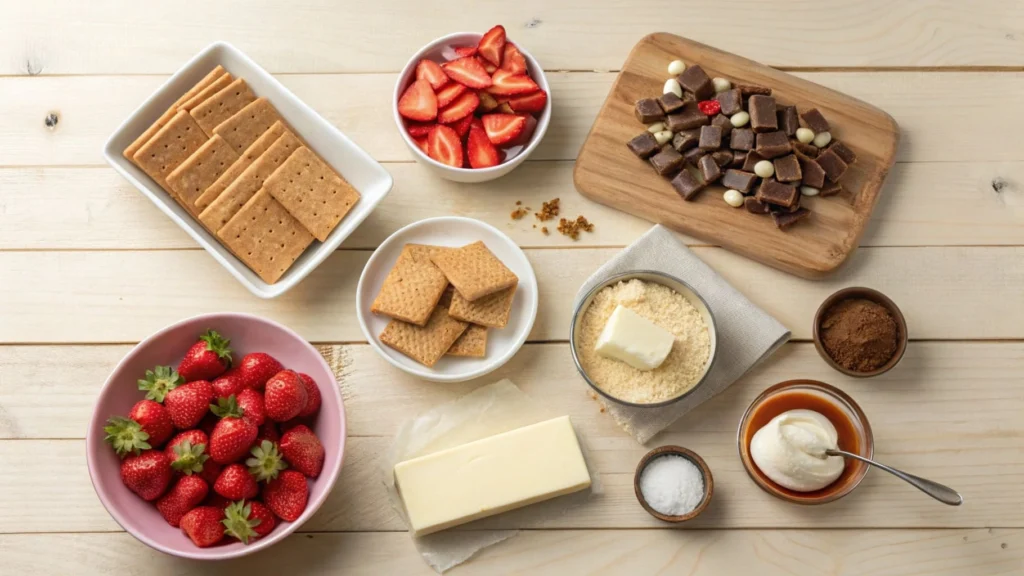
(91, 445)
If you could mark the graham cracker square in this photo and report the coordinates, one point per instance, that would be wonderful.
(261, 145)
(424, 344)
(217, 85)
(242, 129)
(169, 147)
(191, 178)
(474, 270)
(266, 237)
(472, 343)
(492, 310)
(412, 288)
(313, 192)
(222, 105)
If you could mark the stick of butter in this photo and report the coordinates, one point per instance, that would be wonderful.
(629, 337)
(491, 475)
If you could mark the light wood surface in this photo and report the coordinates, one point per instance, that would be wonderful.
(88, 267)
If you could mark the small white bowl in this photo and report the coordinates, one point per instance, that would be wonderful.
(453, 231)
(433, 51)
(364, 173)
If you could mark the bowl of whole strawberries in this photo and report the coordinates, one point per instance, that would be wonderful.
(472, 106)
(217, 436)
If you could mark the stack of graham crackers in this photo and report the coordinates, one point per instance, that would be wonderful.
(441, 301)
(229, 159)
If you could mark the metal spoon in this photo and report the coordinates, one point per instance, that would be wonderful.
(942, 493)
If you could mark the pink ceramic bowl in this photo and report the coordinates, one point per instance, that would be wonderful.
(166, 347)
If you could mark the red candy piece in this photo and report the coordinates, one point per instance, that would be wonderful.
(709, 107)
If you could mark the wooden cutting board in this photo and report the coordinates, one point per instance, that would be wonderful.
(607, 172)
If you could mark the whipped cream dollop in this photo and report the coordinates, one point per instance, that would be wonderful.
(790, 450)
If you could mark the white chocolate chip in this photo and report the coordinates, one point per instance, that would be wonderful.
(764, 169)
(672, 85)
(676, 67)
(656, 127)
(821, 139)
(663, 137)
(739, 119)
(805, 135)
(721, 84)
(809, 191)
(733, 198)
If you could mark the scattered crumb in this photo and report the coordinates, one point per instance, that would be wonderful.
(544, 229)
(519, 202)
(518, 213)
(548, 210)
(534, 225)
(571, 228)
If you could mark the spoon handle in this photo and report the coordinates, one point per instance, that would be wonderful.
(940, 492)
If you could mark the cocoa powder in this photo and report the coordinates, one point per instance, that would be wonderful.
(859, 334)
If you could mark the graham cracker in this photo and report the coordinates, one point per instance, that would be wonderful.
(424, 344)
(492, 310)
(248, 183)
(242, 129)
(474, 270)
(412, 288)
(216, 86)
(244, 161)
(222, 105)
(313, 192)
(169, 147)
(472, 343)
(190, 179)
(264, 236)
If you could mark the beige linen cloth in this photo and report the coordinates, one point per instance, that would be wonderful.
(746, 334)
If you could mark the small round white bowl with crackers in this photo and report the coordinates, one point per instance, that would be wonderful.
(435, 244)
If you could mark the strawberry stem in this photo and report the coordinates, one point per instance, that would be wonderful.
(237, 522)
(126, 436)
(227, 408)
(189, 459)
(266, 462)
(217, 344)
(159, 381)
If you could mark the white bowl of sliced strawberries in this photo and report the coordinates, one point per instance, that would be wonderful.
(472, 106)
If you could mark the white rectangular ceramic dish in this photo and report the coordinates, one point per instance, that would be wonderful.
(364, 173)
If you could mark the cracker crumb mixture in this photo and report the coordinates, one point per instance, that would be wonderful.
(518, 213)
(683, 367)
(548, 210)
(572, 228)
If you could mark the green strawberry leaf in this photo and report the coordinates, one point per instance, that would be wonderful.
(189, 459)
(217, 344)
(227, 407)
(237, 523)
(159, 381)
(266, 461)
(126, 436)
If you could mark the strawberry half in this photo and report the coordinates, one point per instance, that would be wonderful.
(462, 106)
(488, 67)
(464, 51)
(418, 102)
(461, 128)
(529, 103)
(431, 72)
(422, 143)
(505, 83)
(481, 153)
(206, 359)
(448, 94)
(492, 45)
(503, 128)
(513, 60)
(421, 130)
(445, 146)
(469, 72)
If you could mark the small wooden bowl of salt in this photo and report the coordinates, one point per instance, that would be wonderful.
(673, 483)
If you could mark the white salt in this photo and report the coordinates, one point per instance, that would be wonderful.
(672, 485)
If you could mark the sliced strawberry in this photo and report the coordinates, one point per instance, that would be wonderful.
(506, 83)
(490, 68)
(462, 106)
(418, 102)
(513, 60)
(445, 146)
(529, 103)
(422, 143)
(492, 45)
(464, 51)
(502, 128)
(462, 126)
(417, 129)
(504, 108)
(468, 72)
(431, 72)
(446, 95)
(487, 102)
(481, 153)
(524, 137)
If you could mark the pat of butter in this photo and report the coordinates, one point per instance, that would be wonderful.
(629, 337)
(491, 475)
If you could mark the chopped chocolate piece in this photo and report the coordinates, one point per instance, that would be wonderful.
(667, 162)
(643, 145)
(687, 185)
(787, 169)
(787, 119)
(710, 138)
(843, 151)
(832, 164)
(742, 139)
(813, 175)
(722, 121)
(692, 155)
(722, 157)
(752, 158)
(815, 121)
(809, 150)
(685, 140)
(793, 208)
(784, 220)
(695, 80)
(762, 113)
(738, 159)
(688, 118)
(739, 180)
(755, 206)
(831, 189)
(773, 144)
(731, 101)
(648, 111)
(752, 89)
(709, 169)
(671, 103)
(772, 191)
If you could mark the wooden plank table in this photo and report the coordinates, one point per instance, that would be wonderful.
(88, 267)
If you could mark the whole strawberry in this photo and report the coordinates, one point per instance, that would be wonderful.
(186, 494)
(286, 495)
(228, 383)
(203, 525)
(235, 483)
(246, 521)
(303, 450)
(126, 436)
(251, 403)
(216, 500)
(189, 456)
(285, 396)
(257, 368)
(154, 420)
(147, 474)
(313, 399)
(206, 359)
(232, 436)
(268, 431)
(266, 462)
(159, 381)
(187, 404)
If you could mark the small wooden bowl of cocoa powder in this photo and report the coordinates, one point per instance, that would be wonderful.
(860, 332)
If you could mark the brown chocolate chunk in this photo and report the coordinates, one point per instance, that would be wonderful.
(785, 220)
(762, 113)
(831, 189)
(648, 111)
(685, 140)
(696, 81)
(688, 118)
(755, 206)
(843, 151)
(752, 158)
(815, 121)
(739, 180)
(692, 155)
(731, 101)
(787, 169)
(723, 122)
(813, 175)
(722, 157)
(671, 103)
(793, 208)
(787, 119)
(687, 185)
(832, 164)
(742, 139)
(809, 150)
(738, 159)
(771, 191)
(752, 89)
(710, 138)
(643, 145)
(667, 162)
(773, 144)
(709, 169)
